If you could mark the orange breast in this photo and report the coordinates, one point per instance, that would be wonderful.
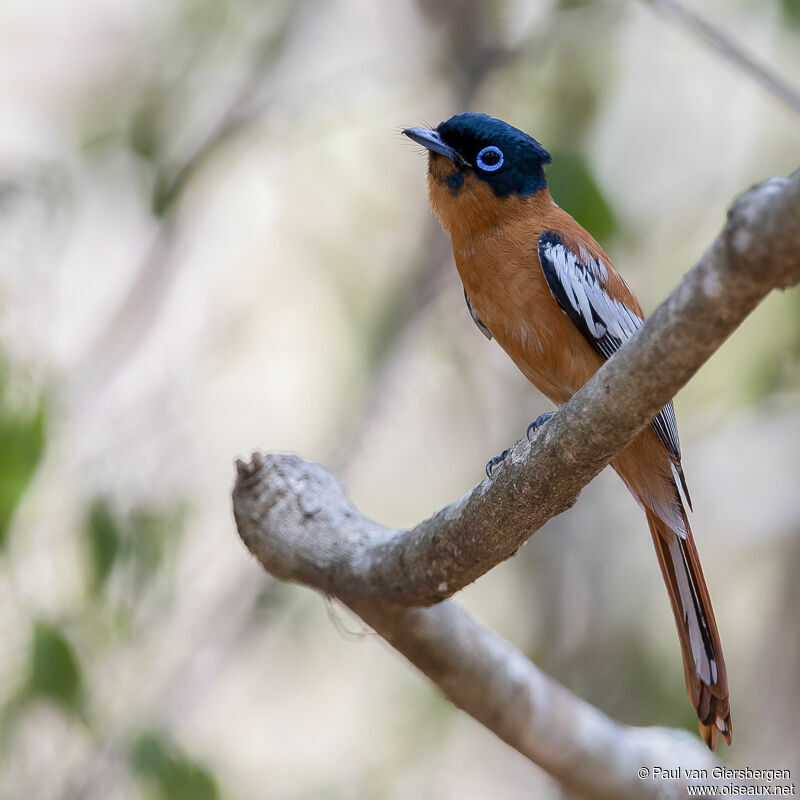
(495, 244)
(495, 248)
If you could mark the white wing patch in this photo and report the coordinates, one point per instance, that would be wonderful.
(577, 285)
(577, 281)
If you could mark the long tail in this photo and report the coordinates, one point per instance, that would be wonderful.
(703, 662)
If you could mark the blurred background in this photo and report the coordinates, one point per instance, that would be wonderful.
(214, 239)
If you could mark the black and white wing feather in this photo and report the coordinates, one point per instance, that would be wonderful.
(577, 283)
(577, 286)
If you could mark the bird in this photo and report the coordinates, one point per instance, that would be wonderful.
(538, 283)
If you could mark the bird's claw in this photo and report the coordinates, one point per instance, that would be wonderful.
(532, 428)
(495, 460)
(538, 422)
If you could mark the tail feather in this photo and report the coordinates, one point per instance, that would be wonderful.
(703, 662)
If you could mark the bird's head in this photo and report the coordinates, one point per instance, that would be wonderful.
(470, 154)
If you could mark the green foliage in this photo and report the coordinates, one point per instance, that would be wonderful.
(135, 543)
(54, 671)
(574, 188)
(790, 11)
(174, 775)
(105, 539)
(163, 195)
(144, 136)
(150, 534)
(22, 443)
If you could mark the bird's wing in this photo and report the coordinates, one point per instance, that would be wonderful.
(578, 283)
(475, 318)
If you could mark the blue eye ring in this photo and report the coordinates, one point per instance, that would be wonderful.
(491, 149)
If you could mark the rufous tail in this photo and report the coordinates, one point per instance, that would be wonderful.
(703, 662)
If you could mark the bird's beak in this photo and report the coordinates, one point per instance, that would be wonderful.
(433, 141)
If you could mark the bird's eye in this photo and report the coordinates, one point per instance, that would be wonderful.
(490, 158)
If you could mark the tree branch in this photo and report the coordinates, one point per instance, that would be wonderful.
(311, 520)
(580, 746)
(296, 519)
(758, 250)
(730, 50)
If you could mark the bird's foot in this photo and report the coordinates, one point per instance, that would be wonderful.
(538, 422)
(495, 460)
(532, 428)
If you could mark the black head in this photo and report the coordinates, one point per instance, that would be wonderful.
(510, 161)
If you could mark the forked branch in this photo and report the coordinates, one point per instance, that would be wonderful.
(297, 520)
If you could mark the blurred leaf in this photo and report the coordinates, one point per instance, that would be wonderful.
(55, 673)
(133, 544)
(151, 532)
(164, 193)
(105, 538)
(576, 191)
(790, 11)
(144, 136)
(175, 776)
(22, 442)
(205, 19)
